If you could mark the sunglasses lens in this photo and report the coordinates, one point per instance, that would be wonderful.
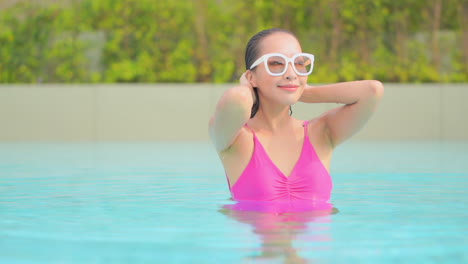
(276, 64)
(303, 64)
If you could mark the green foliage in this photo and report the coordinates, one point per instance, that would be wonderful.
(204, 40)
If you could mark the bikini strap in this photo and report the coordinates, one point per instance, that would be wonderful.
(247, 126)
(305, 124)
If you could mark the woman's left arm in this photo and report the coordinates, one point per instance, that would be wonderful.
(360, 99)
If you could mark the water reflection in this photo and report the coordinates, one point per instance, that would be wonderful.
(278, 225)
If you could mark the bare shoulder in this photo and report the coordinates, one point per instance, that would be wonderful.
(320, 139)
(237, 156)
(241, 144)
(319, 129)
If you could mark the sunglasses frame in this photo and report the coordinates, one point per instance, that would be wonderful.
(288, 61)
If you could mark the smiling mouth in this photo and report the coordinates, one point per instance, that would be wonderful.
(289, 87)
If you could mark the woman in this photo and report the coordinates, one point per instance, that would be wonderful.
(267, 154)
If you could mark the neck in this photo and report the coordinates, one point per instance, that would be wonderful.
(273, 118)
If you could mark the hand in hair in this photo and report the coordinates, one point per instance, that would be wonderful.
(245, 82)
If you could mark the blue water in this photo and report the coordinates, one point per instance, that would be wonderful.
(397, 202)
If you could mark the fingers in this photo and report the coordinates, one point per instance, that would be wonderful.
(244, 81)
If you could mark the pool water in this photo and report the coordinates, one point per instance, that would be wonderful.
(163, 202)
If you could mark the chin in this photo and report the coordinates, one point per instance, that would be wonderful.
(290, 101)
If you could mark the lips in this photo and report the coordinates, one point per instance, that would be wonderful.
(289, 87)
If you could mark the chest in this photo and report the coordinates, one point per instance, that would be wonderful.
(284, 153)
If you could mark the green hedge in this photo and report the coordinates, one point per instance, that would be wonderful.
(180, 41)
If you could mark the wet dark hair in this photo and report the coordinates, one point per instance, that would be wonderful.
(251, 54)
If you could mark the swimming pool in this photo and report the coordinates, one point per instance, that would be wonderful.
(398, 202)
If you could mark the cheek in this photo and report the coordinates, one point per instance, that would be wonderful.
(261, 78)
(265, 80)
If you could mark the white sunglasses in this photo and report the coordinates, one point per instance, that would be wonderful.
(277, 64)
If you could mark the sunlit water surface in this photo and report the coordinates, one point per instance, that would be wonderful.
(396, 202)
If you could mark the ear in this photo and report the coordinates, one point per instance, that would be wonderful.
(251, 77)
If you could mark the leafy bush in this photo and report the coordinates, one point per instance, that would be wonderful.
(204, 40)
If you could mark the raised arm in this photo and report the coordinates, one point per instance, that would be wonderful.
(360, 99)
(232, 112)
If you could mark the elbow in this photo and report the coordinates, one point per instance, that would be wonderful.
(376, 89)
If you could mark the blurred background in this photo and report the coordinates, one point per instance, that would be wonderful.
(83, 41)
(134, 69)
(104, 148)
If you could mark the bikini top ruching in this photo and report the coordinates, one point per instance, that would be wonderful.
(263, 181)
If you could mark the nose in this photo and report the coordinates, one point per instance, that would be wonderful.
(290, 73)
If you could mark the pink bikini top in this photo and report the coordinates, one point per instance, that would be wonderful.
(262, 181)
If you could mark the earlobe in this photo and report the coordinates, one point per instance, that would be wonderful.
(251, 78)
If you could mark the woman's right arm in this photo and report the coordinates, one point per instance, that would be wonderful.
(232, 112)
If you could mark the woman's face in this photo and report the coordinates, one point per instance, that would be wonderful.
(287, 88)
